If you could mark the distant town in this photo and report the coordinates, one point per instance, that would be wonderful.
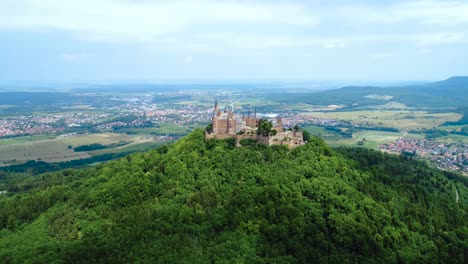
(448, 156)
(143, 111)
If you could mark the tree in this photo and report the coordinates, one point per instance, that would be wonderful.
(306, 135)
(264, 127)
(209, 128)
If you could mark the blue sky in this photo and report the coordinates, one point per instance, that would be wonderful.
(176, 40)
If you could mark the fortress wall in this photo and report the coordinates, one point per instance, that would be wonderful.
(218, 136)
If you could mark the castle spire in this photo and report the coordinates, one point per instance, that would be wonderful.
(216, 108)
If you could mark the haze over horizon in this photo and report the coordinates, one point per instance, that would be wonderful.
(52, 40)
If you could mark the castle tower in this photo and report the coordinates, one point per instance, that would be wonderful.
(216, 108)
(279, 124)
(215, 118)
(231, 124)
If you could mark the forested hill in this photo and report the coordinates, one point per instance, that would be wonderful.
(210, 202)
(452, 92)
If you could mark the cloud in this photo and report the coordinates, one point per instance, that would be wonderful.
(425, 12)
(433, 12)
(211, 25)
(142, 21)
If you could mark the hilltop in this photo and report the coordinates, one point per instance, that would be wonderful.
(203, 201)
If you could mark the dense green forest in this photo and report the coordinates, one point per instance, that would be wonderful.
(203, 201)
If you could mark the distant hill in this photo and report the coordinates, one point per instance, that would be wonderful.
(452, 92)
(203, 201)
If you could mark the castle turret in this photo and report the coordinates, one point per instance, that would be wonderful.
(216, 108)
(279, 124)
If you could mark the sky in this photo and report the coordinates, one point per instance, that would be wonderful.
(244, 40)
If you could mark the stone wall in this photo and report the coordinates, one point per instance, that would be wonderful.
(288, 138)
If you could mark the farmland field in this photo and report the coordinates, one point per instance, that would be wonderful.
(452, 128)
(405, 120)
(161, 128)
(372, 139)
(452, 139)
(25, 139)
(61, 149)
(54, 150)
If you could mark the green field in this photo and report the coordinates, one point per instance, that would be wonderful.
(373, 139)
(137, 146)
(321, 132)
(401, 119)
(452, 139)
(54, 150)
(61, 149)
(452, 128)
(25, 139)
(160, 129)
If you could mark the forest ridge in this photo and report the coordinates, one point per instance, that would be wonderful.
(200, 201)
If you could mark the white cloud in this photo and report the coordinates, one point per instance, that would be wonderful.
(137, 21)
(434, 12)
(235, 26)
(424, 12)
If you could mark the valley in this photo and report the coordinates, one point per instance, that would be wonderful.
(141, 116)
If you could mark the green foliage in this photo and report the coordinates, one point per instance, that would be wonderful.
(208, 201)
(248, 142)
(264, 127)
(306, 135)
(209, 128)
(94, 146)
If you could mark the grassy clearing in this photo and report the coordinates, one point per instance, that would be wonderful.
(401, 119)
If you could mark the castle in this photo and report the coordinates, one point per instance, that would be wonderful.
(226, 124)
